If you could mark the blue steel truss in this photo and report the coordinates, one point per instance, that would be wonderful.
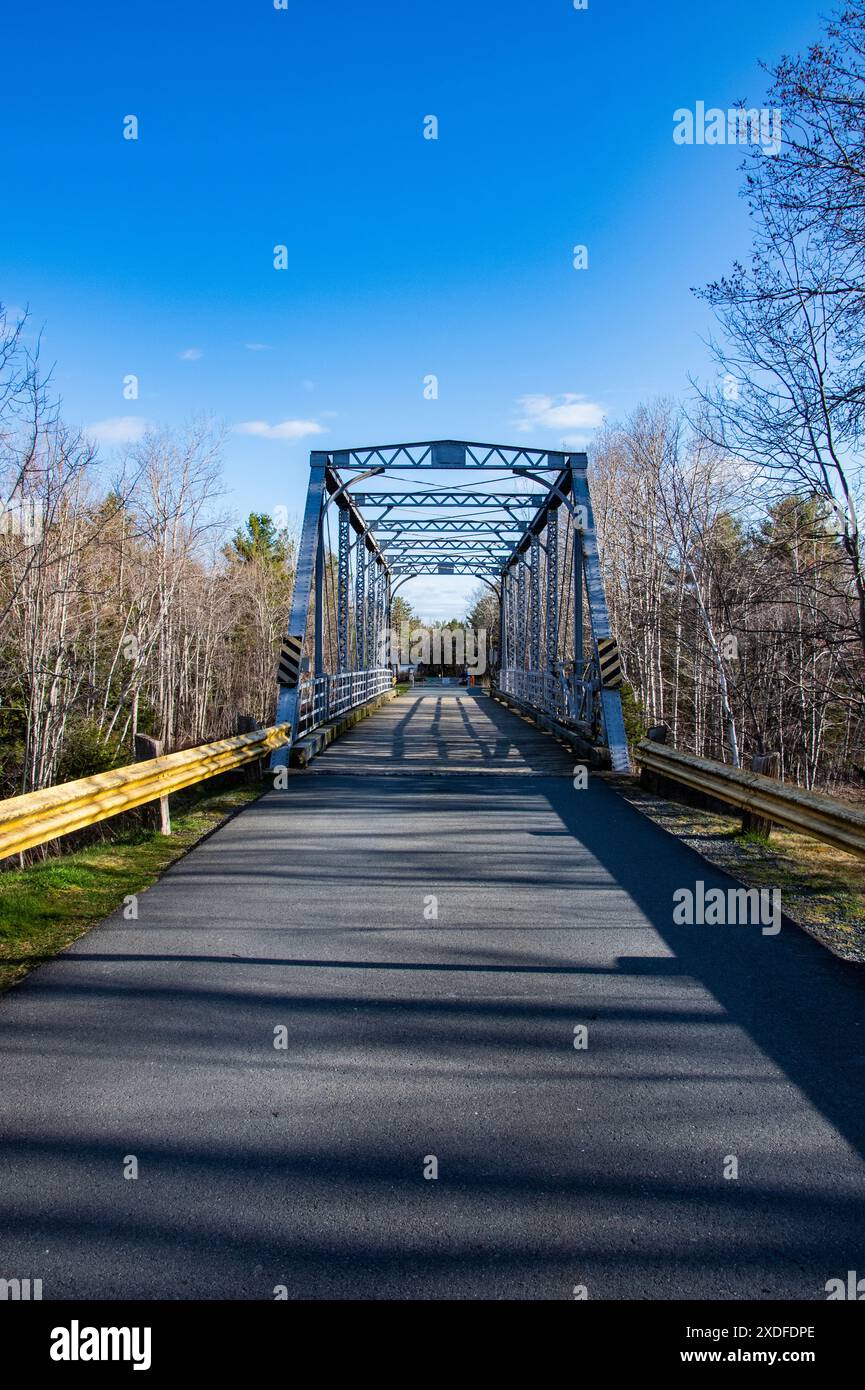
(447, 454)
(533, 541)
(506, 501)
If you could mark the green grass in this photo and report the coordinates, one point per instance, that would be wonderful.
(44, 908)
(751, 837)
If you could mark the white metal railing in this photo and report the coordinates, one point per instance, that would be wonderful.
(321, 698)
(550, 691)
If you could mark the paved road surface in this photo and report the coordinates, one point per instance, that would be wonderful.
(408, 1037)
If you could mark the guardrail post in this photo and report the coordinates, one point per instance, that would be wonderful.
(770, 766)
(650, 781)
(246, 724)
(146, 748)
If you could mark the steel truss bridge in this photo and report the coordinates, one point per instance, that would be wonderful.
(518, 519)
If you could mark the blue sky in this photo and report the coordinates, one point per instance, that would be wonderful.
(406, 257)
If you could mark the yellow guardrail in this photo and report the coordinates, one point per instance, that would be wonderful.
(810, 813)
(35, 817)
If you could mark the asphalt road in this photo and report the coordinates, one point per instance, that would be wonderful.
(409, 1036)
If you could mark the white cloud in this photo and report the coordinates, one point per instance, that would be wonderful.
(565, 412)
(120, 429)
(258, 347)
(190, 354)
(286, 429)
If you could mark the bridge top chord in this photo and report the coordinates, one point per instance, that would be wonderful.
(454, 453)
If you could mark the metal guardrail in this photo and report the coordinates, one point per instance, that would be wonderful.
(809, 813)
(31, 819)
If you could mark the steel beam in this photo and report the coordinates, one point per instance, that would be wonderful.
(504, 653)
(372, 599)
(427, 566)
(360, 611)
(535, 606)
(450, 453)
(448, 525)
(560, 491)
(520, 654)
(442, 543)
(299, 616)
(342, 591)
(463, 500)
(552, 590)
(578, 604)
(447, 556)
(611, 700)
(320, 562)
(341, 497)
(512, 617)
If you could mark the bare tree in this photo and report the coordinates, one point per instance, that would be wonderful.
(792, 354)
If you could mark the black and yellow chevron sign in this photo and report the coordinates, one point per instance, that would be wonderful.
(610, 663)
(289, 661)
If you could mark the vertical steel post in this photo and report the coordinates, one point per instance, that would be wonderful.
(578, 603)
(342, 590)
(611, 700)
(374, 607)
(386, 657)
(513, 647)
(373, 585)
(360, 605)
(552, 589)
(320, 562)
(521, 615)
(535, 608)
(504, 654)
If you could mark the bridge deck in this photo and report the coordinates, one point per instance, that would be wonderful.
(409, 1037)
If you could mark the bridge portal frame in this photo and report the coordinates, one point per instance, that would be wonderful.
(543, 579)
